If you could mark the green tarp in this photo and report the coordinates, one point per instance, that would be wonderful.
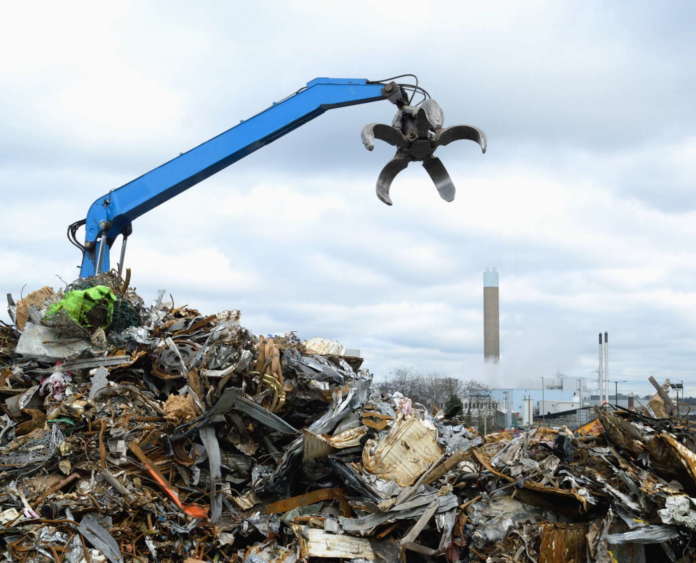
(76, 304)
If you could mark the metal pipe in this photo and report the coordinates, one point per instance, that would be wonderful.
(508, 409)
(123, 256)
(100, 254)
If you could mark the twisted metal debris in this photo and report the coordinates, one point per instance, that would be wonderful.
(183, 436)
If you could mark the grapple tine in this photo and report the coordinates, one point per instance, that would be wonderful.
(387, 175)
(386, 133)
(460, 132)
(439, 175)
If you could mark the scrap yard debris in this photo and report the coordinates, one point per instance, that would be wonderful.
(156, 433)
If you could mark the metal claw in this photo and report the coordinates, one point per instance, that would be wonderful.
(385, 133)
(460, 132)
(438, 173)
(387, 175)
(416, 132)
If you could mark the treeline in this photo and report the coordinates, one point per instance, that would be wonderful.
(431, 390)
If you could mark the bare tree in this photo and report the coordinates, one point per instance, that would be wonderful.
(431, 390)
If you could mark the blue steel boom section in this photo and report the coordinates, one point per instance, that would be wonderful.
(112, 214)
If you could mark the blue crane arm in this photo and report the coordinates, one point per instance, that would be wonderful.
(111, 215)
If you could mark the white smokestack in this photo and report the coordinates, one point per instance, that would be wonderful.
(491, 317)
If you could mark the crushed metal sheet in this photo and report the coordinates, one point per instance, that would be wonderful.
(318, 543)
(404, 454)
(234, 399)
(686, 456)
(100, 538)
(15, 404)
(417, 528)
(318, 446)
(364, 525)
(562, 543)
(645, 534)
(275, 447)
(38, 341)
(90, 363)
(315, 446)
(98, 382)
(212, 448)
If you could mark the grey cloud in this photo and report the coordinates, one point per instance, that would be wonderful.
(571, 94)
(599, 78)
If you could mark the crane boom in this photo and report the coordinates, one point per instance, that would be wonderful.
(112, 214)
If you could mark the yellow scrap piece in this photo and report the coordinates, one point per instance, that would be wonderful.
(592, 428)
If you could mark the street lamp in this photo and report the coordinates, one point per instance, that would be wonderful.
(678, 386)
(616, 389)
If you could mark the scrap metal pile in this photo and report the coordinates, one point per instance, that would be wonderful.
(134, 433)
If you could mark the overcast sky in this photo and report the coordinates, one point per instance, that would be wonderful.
(585, 201)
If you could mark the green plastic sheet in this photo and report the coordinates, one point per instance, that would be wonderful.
(78, 303)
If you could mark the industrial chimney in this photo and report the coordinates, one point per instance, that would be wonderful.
(491, 317)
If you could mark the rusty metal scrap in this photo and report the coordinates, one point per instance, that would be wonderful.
(404, 453)
(285, 505)
(192, 510)
(181, 436)
(666, 406)
(31, 302)
(563, 543)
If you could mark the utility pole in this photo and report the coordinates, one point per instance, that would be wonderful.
(616, 389)
(676, 387)
(606, 366)
(600, 371)
(577, 413)
(485, 421)
(543, 402)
